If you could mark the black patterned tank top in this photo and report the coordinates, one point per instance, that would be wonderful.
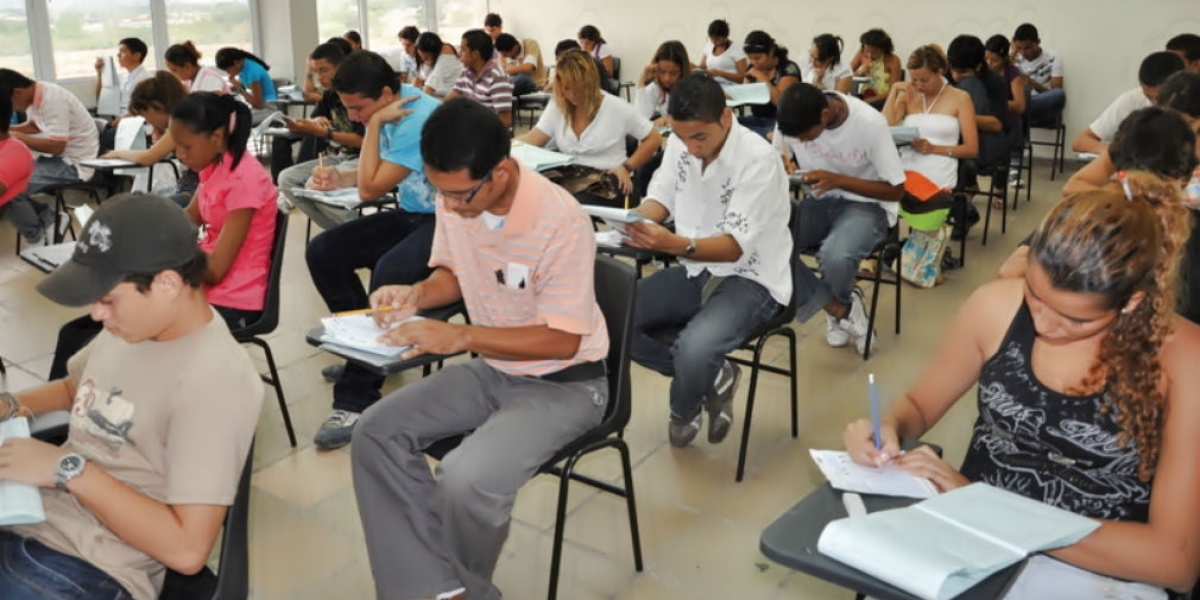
(1048, 446)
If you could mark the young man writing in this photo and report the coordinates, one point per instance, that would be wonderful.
(519, 251)
(482, 78)
(163, 408)
(394, 244)
(728, 195)
(1155, 69)
(1042, 71)
(855, 180)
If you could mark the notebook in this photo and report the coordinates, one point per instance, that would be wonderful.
(616, 218)
(747, 93)
(360, 333)
(848, 476)
(904, 135)
(342, 197)
(540, 159)
(941, 547)
(20, 503)
(108, 103)
(48, 258)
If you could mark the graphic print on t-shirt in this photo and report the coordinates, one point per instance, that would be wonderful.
(105, 416)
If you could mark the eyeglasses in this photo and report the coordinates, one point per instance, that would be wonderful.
(469, 195)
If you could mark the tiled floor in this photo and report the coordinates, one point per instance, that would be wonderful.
(699, 530)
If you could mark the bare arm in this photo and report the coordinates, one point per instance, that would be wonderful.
(1056, 83)
(1088, 141)
(48, 397)
(843, 85)
(535, 137)
(608, 65)
(988, 123)
(150, 156)
(1092, 176)
(229, 244)
(777, 90)
(894, 69)
(376, 176)
(1017, 104)
(45, 145)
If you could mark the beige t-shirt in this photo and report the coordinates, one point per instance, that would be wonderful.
(173, 420)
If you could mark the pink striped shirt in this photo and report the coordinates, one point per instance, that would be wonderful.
(536, 269)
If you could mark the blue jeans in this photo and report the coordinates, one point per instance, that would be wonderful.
(523, 84)
(1046, 108)
(669, 298)
(760, 125)
(843, 233)
(31, 571)
(395, 245)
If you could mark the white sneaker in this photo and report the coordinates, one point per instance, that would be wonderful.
(835, 336)
(56, 233)
(860, 343)
(285, 205)
(855, 322)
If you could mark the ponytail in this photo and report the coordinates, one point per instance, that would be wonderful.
(206, 112)
(829, 48)
(781, 53)
(182, 54)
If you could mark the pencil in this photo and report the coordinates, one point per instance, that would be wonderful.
(365, 311)
(321, 161)
(626, 201)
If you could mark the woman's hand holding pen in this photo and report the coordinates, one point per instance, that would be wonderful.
(859, 438)
(924, 462)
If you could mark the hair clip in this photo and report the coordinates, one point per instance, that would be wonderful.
(1125, 185)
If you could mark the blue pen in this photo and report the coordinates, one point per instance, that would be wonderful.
(875, 411)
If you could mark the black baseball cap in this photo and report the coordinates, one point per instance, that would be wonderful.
(129, 234)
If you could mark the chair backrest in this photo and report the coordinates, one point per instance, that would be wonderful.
(616, 69)
(270, 312)
(616, 291)
(789, 311)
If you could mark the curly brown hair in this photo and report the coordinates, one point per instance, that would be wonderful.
(1104, 243)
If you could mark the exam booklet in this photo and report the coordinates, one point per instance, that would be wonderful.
(889, 480)
(747, 93)
(360, 333)
(941, 547)
(616, 218)
(20, 503)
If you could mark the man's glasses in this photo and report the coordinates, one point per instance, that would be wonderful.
(469, 195)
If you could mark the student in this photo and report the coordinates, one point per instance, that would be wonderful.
(768, 64)
(1151, 74)
(183, 61)
(997, 55)
(728, 196)
(942, 113)
(856, 180)
(393, 244)
(1187, 47)
(592, 43)
(440, 67)
(592, 126)
(329, 131)
(249, 79)
(234, 205)
(522, 63)
(353, 38)
(1042, 72)
(163, 407)
(723, 60)
(669, 65)
(1087, 393)
(154, 99)
(493, 25)
(824, 68)
(408, 57)
(989, 97)
(876, 58)
(483, 80)
(131, 53)
(60, 128)
(16, 165)
(564, 46)
(538, 383)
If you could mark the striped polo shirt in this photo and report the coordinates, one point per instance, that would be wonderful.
(491, 87)
(535, 269)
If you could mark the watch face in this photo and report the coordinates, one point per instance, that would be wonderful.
(71, 463)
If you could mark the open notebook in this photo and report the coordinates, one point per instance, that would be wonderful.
(346, 197)
(848, 476)
(20, 503)
(746, 93)
(360, 333)
(540, 159)
(941, 547)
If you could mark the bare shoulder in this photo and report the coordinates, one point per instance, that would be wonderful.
(1179, 352)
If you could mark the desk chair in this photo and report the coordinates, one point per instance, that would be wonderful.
(1059, 144)
(887, 251)
(387, 202)
(528, 103)
(232, 580)
(615, 293)
(269, 320)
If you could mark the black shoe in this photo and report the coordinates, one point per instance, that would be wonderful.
(333, 373)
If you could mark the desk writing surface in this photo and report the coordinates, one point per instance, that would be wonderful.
(792, 542)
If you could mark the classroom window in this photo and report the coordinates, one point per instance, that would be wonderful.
(336, 17)
(386, 19)
(210, 25)
(83, 30)
(14, 37)
(457, 16)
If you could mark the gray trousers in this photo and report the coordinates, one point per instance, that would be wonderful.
(426, 536)
(30, 217)
(324, 215)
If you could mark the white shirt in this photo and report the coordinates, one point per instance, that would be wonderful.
(742, 193)
(651, 100)
(833, 74)
(602, 144)
(209, 79)
(1105, 126)
(442, 75)
(1041, 69)
(726, 61)
(128, 82)
(408, 64)
(601, 51)
(861, 147)
(59, 114)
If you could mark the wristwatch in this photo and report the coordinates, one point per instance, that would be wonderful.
(69, 467)
(691, 248)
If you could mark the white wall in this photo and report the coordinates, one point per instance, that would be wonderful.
(1102, 42)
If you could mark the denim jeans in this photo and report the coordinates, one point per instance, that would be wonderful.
(31, 571)
(1046, 108)
(669, 298)
(523, 84)
(395, 245)
(843, 233)
(326, 216)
